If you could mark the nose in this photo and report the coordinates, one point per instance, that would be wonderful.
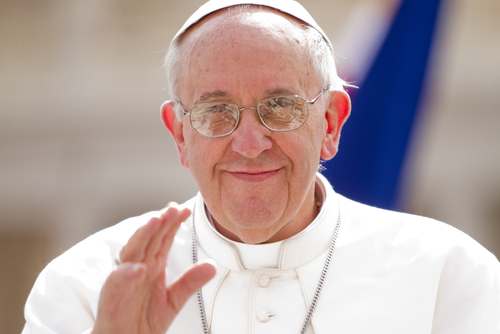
(251, 137)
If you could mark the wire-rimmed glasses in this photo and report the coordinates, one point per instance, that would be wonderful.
(278, 113)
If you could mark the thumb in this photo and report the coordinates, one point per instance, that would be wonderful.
(192, 280)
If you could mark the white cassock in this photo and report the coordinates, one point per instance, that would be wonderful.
(391, 273)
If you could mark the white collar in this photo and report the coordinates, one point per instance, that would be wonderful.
(287, 254)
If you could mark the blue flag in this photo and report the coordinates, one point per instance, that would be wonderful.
(374, 139)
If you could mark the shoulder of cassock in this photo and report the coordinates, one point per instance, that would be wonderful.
(65, 296)
(465, 276)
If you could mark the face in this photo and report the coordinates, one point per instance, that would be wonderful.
(257, 184)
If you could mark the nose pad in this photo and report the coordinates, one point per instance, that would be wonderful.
(250, 138)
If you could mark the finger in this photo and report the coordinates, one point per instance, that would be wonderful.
(135, 249)
(168, 240)
(124, 277)
(171, 220)
(118, 289)
(169, 204)
(188, 283)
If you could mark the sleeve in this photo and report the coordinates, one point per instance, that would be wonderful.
(468, 299)
(65, 295)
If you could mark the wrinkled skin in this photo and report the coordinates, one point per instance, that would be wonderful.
(257, 184)
(135, 298)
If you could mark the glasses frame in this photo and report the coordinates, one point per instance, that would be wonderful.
(310, 102)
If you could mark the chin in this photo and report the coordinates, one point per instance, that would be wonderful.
(253, 239)
(257, 235)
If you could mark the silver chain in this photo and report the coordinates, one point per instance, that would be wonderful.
(321, 282)
(195, 260)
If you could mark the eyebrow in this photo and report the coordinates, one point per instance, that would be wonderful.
(280, 91)
(219, 93)
(206, 96)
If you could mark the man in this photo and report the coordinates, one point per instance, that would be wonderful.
(256, 105)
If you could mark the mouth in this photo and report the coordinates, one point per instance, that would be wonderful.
(255, 176)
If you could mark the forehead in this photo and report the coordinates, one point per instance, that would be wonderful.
(235, 44)
(272, 20)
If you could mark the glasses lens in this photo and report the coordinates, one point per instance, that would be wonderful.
(214, 119)
(283, 113)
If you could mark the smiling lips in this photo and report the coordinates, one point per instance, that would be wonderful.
(255, 176)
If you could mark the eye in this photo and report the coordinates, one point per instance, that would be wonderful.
(277, 106)
(217, 108)
(281, 102)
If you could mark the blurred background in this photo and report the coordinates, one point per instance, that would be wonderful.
(82, 145)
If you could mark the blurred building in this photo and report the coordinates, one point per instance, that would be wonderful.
(82, 145)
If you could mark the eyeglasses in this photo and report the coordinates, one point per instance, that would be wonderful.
(279, 113)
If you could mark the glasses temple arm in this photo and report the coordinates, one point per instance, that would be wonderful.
(317, 97)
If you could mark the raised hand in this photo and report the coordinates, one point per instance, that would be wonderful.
(135, 298)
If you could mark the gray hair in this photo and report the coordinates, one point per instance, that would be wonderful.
(321, 53)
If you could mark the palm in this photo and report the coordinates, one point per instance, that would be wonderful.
(135, 298)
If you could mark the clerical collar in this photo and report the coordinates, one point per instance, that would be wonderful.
(290, 253)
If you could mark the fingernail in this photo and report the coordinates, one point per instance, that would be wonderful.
(212, 262)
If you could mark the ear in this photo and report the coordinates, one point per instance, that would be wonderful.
(176, 129)
(339, 108)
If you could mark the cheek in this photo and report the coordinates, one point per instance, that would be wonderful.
(195, 154)
(309, 144)
(302, 147)
(318, 130)
(186, 146)
(199, 165)
(203, 155)
(315, 130)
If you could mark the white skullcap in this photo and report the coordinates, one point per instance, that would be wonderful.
(290, 7)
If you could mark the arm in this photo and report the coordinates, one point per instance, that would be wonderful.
(133, 297)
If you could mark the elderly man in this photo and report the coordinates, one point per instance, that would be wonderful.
(256, 105)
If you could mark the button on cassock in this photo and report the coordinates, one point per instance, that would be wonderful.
(264, 281)
(263, 315)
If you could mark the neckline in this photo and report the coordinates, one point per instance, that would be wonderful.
(287, 254)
